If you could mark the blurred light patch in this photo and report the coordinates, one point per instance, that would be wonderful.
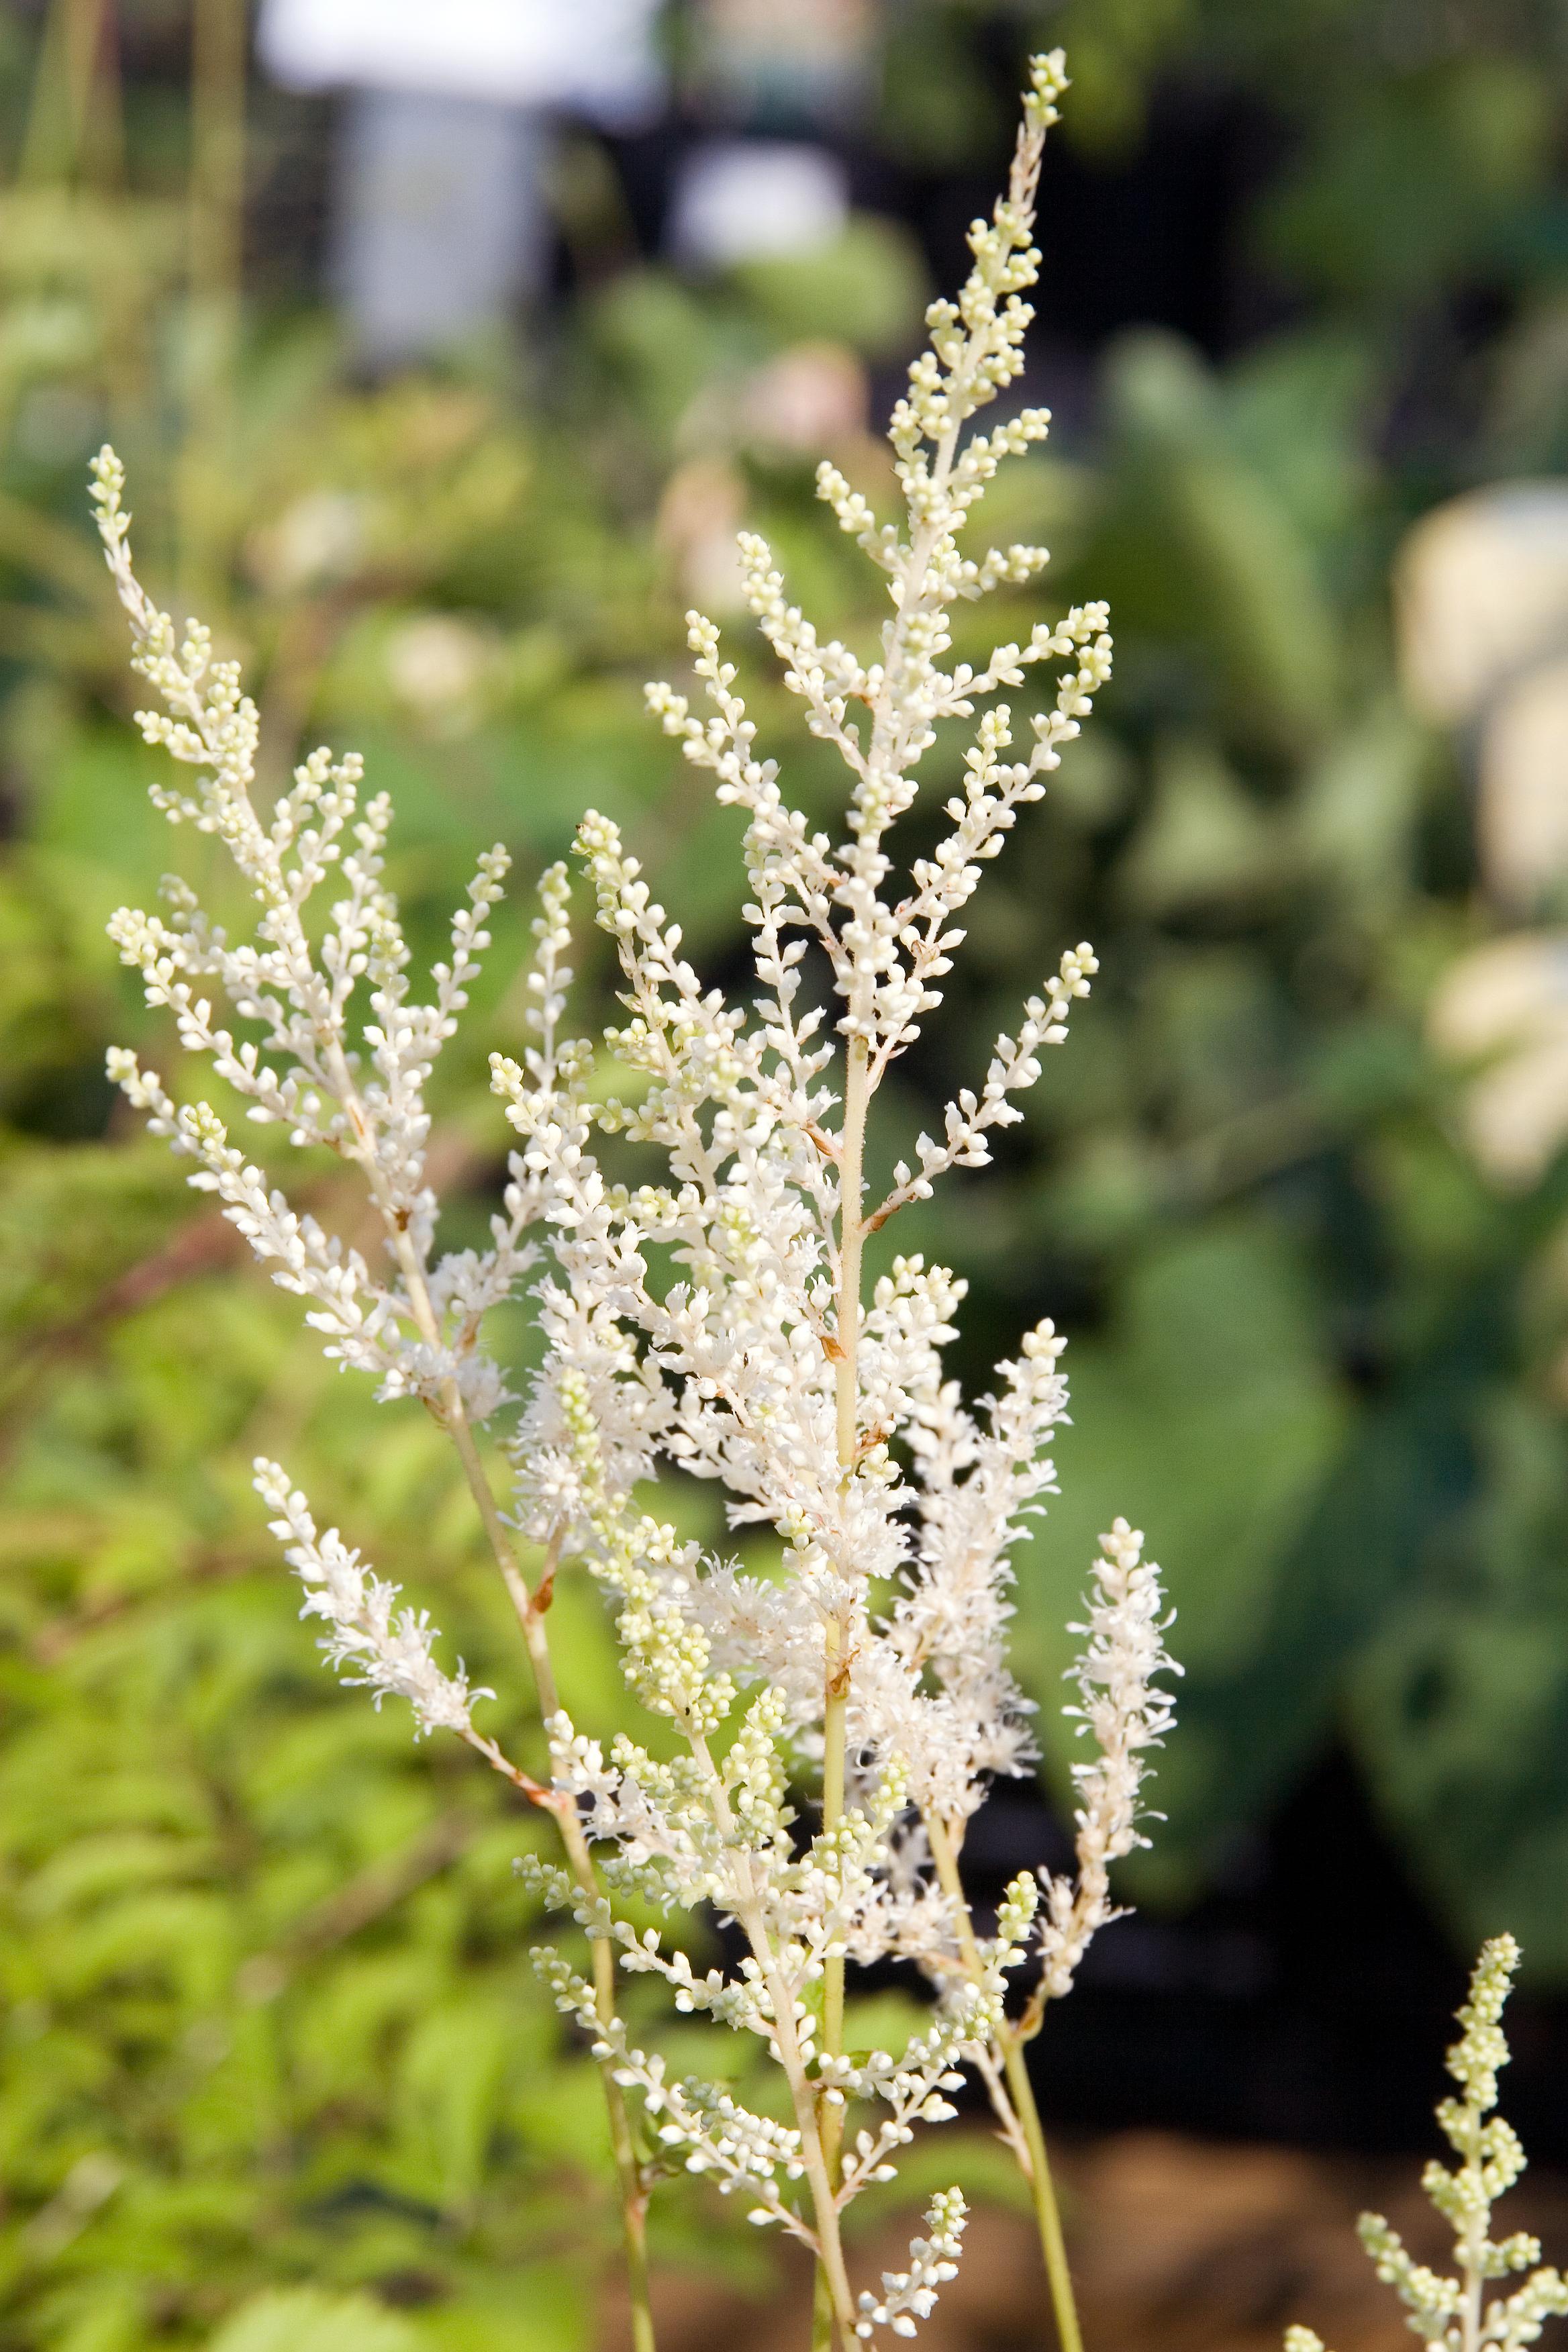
(1480, 583)
(591, 57)
(1482, 606)
(756, 199)
(1506, 1006)
(440, 223)
(1522, 815)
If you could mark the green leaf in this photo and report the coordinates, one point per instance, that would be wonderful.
(301, 2319)
(1207, 1418)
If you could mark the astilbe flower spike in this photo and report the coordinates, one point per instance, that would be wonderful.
(333, 1077)
(1452, 2314)
(714, 1322)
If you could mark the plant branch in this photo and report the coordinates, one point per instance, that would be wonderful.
(1024, 2115)
(630, 2170)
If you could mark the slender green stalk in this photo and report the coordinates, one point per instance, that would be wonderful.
(1025, 2110)
(530, 1607)
(215, 258)
(218, 150)
(70, 102)
(1048, 2218)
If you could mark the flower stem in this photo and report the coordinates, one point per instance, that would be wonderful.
(1012, 2045)
(531, 1616)
(835, 1658)
(1048, 2218)
(530, 1611)
(834, 2300)
(628, 2171)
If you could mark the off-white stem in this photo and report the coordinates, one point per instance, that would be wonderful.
(530, 1608)
(1025, 2115)
(851, 1244)
(837, 1659)
(834, 2293)
(857, 1087)
(1472, 2244)
(988, 2067)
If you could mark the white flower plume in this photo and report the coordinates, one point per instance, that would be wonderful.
(713, 1322)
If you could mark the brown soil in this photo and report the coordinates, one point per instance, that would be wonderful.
(1178, 2245)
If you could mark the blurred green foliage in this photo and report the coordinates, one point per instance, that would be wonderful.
(276, 2073)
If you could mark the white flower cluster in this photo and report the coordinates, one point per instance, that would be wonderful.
(1126, 1712)
(715, 1321)
(1452, 2314)
(418, 1331)
(386, 1652)
(907, 2295)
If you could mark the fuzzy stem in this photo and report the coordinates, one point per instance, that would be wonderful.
(820, 2310)
(834, 2297)
(851, 1243)
(531, 1617)
(1471, 2248)
(1026, 2113)
(836, 1659)
(530, 1611)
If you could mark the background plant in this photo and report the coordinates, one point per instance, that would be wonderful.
(1456, 2312)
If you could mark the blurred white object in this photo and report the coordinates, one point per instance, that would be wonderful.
(439, 210)
(1481, 602)
(318, 539)
(438, 665)
(702, 508)
(1508, 1005)
(1521, 818)
(756, 199)
(440, 223)
(1481, 588)
(592, 56)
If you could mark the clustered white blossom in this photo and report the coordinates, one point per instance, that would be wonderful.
(1125, 1711)
(714, 1321)
(1452, 2314)
(417, 1331)
(389, 1654)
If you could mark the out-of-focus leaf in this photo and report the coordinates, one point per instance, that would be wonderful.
(300, 2319)
(1203, 841)
(1207, 1418)
(1461, 1701)
(1204, 547)
(868, 288)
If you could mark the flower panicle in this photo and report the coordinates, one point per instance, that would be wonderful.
(389, 1650)
(340, 1053)
(708, 1321)
(1449, 2311)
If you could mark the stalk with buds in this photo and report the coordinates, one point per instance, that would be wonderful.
(1453, 2313)
(837, 1718)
